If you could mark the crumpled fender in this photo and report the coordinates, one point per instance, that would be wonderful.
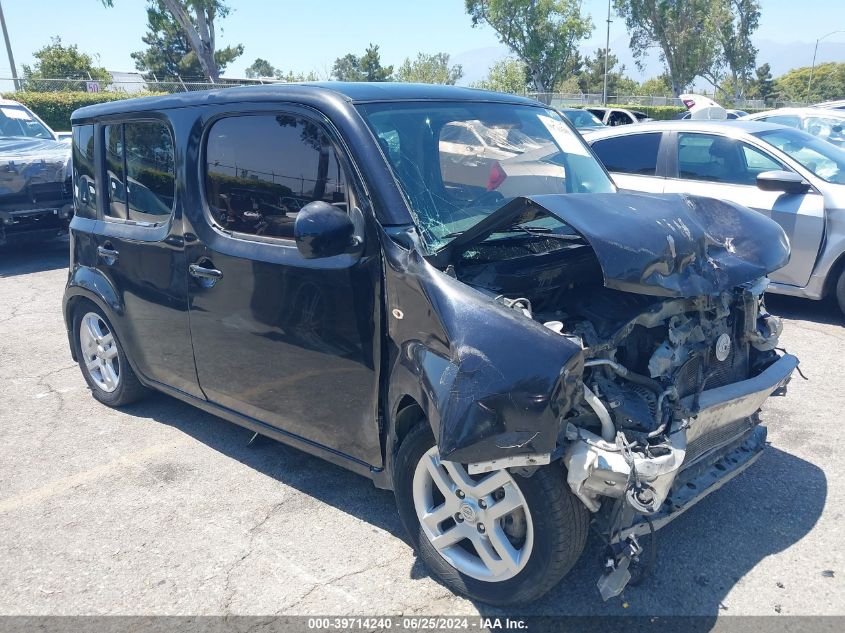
(492, 382)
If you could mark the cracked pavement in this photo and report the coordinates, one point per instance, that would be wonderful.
(160, 508)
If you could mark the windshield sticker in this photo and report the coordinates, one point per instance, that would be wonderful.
(563, 136)
(14, 113)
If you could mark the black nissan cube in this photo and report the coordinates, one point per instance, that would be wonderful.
(438, 288)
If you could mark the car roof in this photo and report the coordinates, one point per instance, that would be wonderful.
(354, 92)
(808, 111)
(736, 126)
(836, 103)
(10, 102)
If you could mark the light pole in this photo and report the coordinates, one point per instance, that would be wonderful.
(9, 50)
(606, 53)
(813, 67)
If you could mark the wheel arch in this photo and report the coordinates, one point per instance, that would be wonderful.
(87, 284)
(832, 277)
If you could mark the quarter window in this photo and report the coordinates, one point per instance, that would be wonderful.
(84, 186)
(262, 169)
(630, 154)
(140, 171)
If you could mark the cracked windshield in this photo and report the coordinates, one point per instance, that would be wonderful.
(459, 162)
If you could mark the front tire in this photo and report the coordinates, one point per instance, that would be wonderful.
(102, 359)
(499, 538)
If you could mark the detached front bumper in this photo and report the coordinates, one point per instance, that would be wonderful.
(706, 450)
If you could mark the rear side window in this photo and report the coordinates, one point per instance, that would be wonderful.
(262, 169)
(84, 186)
(140, 171)
(630, 154)
(782, 119)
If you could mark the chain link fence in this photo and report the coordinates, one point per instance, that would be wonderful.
(131, 83)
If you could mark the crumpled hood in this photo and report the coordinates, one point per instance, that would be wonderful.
(31, 161)
(18, 148)
(665, 245)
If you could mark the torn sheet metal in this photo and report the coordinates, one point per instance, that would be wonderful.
(492, 382)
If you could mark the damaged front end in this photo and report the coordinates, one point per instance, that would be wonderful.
(630, 342)
(35, 188)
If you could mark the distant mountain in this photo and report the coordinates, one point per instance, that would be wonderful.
(781, 56)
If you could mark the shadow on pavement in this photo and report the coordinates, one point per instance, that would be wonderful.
(705, 552)
(23, 259)
(341, 489)
(700, 556)
(826, 311)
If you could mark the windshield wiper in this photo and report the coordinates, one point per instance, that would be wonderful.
(542, 231)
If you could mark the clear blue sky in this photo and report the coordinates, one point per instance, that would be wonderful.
(303, 36)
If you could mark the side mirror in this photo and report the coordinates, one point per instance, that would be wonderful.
(322, 230)
(784, 181)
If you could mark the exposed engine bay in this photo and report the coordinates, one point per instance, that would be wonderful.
(667, 388)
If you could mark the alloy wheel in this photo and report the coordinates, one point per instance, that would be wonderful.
(99, 352)
(480, 526)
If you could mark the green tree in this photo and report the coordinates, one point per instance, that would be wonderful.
(657, 87)
(291, 77)
(371, 65)
(181, 38)
(430, 69)
(507, 75)
(544, 34)
(591, 78)
(828, 82)
(731, 69)
(762, 86)
(735, 22)
(368, 67)
(260, 68)
(681, 29)
(57, 61)
(347, 68)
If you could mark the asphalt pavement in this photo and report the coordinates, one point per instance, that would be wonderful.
(160, 508)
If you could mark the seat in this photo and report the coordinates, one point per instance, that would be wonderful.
(727, 164)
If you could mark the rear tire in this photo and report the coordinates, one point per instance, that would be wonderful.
(102, 359)
(555, 523)
(840, 291)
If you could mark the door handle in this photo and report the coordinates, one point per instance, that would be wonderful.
(207, 276)
(107, 254)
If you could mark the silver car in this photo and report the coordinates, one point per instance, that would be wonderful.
(795, 178)
(826, 124)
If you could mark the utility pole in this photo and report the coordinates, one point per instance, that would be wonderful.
(606, 54)
(9, 51)
(812, 68)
